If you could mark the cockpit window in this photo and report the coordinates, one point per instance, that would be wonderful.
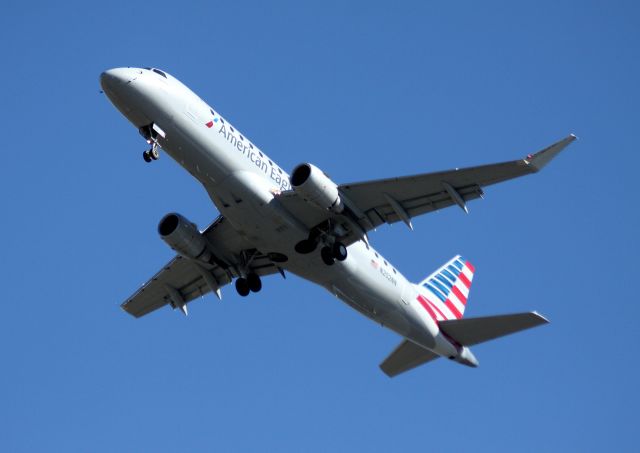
(157, 71)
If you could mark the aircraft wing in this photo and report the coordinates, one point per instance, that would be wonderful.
(400, 199)
(182, 280)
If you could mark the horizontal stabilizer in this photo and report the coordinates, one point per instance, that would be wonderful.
(405, 357)
(470, 331)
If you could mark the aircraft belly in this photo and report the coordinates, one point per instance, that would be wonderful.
(359, 286)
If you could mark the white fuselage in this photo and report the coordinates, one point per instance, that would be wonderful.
(242, 182)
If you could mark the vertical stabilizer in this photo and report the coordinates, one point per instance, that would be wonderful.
(444, 293)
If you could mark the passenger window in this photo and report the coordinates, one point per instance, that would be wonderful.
(232, 129)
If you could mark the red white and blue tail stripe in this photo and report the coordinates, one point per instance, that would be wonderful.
(444, 294)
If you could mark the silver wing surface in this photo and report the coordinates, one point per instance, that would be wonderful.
(182, 280)
(372, 203)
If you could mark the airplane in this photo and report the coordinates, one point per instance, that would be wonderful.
(271, 222)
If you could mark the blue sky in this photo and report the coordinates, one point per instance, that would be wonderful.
(363, 90)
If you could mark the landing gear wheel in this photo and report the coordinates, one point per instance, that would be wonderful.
(339, 251)
(254, 282)
(153, 153)
(327, 256)
(242, 286)
(146, 156)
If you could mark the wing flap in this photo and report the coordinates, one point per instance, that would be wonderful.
(405, 357)
(470, 331)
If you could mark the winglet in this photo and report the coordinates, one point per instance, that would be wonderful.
(538, 160)
(540, 318)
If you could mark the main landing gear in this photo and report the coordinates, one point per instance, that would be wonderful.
(252, 283)
(332, 251)
(337, 252)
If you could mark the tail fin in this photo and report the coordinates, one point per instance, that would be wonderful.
(444, 293)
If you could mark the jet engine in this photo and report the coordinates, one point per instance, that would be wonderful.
(316, 187)
(183, 237)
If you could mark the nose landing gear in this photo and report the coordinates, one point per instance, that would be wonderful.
(150, 134)
(151, 154)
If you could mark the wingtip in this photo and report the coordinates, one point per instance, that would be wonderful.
(125, 308)
(387, 373)
(542, 318)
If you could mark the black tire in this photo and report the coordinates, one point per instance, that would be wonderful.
(146, 156)
(242, 286)
(339, 251)
(254, 282)
(327, 256)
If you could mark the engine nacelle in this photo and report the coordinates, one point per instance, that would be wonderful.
(184, 237)
(315, 187)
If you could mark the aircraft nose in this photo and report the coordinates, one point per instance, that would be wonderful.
(112, 79)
